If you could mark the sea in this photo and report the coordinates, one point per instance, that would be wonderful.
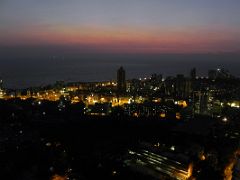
(23, 72)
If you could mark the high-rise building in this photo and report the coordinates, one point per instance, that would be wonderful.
(183, 86)
(212, 74)
(1, 89)
(219, 74)
(193, 73)
(121, 80)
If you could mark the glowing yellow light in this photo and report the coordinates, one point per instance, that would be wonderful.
(162, 115)
(182, 103)
(58, 177)
(202, 157)
(178, 115)
(102, 99)
(135, 114)
(190, 170)
(233, 105)
(229, 170)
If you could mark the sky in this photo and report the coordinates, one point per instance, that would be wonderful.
(126, 26)
(42, 41)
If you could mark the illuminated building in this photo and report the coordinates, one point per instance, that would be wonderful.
(218, 73)
(161, 165)
(1, 94)
(1, 89)
(156, 79)
(121, 80)
(201, 102)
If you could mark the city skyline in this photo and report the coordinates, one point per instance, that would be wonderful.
(43, 42)
(26, 74)
(130, 89)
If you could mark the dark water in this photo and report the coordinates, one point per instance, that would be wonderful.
(20, 72)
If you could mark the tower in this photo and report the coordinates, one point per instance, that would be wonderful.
(1, 89)
(193, 73)
(121, 80)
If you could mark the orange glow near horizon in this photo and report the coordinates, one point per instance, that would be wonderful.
(126, 40)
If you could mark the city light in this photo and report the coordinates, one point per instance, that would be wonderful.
(58, 177)
(162, 115)
(190, 170)
(178, 116)
(224, 119)
(111, 90)
(172, 148)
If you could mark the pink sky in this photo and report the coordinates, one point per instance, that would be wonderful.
(127, 39)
